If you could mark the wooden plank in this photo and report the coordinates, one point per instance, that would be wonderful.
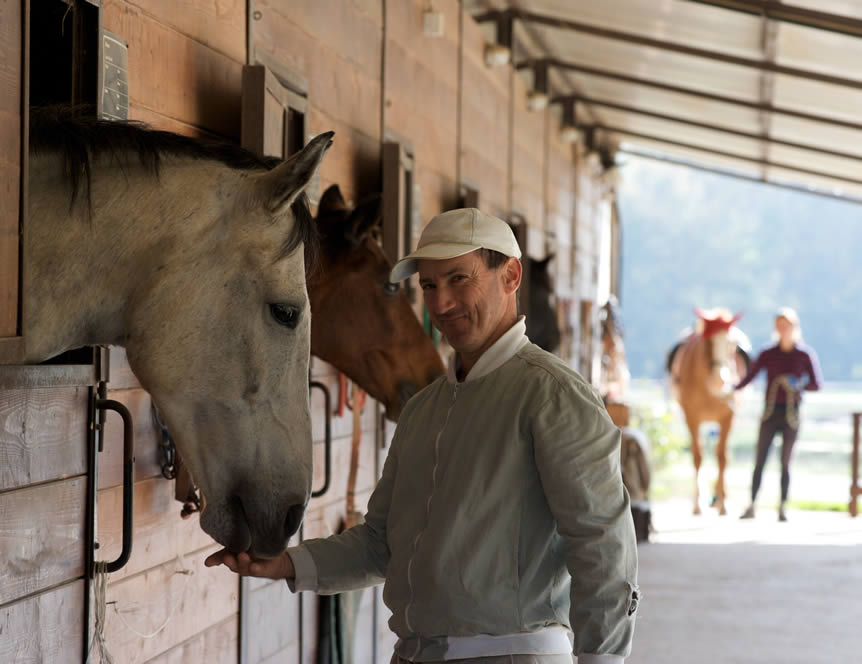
(160, 533)
(214, 23)
(46, 628)
(41, 537)
(11, 22)
(353, 33)
(43, 435)
(341, 61)
(147, 452)
(353, 161)
(121, 375)
(273, 614)
(186, 604)
(216, 645)
(175, 75)
(34, 376)
(165, 123)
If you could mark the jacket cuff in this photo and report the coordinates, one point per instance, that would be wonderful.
(587, 658)
(305, 570)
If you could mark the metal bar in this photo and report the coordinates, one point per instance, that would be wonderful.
(855, 489)
(809, 18)
(730, 155)
(327, 440)
(667, 87)
(739, 176)
(705, 125)
(693, 51)
(128, 479)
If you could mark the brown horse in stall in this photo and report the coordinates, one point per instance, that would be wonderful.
(614, 377)
(362, 324)
(542, 326)
(704, 367)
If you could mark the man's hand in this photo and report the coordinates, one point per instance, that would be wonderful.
(280, 567)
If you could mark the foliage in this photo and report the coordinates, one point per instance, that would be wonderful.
(667, 445)
(699, 239)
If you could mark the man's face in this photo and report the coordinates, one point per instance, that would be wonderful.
(465, 299)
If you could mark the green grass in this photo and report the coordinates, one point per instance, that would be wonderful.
(818, 505)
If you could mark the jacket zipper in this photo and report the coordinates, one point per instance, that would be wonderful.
(427, 516)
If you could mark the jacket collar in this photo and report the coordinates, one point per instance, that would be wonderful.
(496, 356)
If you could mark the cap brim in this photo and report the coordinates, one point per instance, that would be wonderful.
(408, 265)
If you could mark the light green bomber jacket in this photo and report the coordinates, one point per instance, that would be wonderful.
(500, 510)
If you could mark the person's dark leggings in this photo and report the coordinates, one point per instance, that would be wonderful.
(776, 422)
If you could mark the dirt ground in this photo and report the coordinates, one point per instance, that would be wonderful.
(717, 590)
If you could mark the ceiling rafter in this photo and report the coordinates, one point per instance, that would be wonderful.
(601, 103)
(729, 155)
(739, 176)
(778, 11)
(692, 92)
(674, 47)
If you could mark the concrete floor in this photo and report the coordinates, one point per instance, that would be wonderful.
(724, 591)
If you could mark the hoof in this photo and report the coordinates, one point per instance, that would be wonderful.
(722, 511)
(696, 510)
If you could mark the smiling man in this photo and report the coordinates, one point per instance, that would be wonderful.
(500, 524)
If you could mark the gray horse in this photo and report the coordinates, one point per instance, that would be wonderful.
(190, 255)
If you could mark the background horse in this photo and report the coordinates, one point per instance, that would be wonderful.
(614, 377)
(190, 255)
(704, 367)
(542, 325)
(363, 324)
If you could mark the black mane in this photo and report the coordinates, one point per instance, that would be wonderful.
(81, 137)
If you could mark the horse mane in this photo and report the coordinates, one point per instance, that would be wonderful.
(81, 137)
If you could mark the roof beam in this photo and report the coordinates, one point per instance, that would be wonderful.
(661, 44)
(702, 125)
(809, 18)
(722, 99)
(739, 176)
(730, 155)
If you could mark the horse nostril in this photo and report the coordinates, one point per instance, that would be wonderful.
(294, 518)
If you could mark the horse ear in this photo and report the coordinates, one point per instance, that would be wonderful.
(700, 313)
(331, 201)
(736, 317)
(281, 186)
(366, 215)
(547, 259)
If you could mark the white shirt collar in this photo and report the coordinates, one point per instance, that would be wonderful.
(502, 350)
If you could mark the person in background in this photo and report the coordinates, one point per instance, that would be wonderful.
(791, 367)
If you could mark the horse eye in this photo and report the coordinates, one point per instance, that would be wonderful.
(285, 315)
(391, 288)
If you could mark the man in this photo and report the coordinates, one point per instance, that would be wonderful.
(501, 477)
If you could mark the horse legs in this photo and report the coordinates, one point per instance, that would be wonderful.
(694, 430)
(721, 452)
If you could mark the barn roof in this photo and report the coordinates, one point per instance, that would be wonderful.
(761, 89)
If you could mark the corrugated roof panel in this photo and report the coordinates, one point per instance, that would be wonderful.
(817, 134)
(824, 184)
(819, 50)
(670, 103)
(680, 22)
(672, 131)
(851, 8)
(679, 69)
(825, 164)
(696, 156)
(816, 97)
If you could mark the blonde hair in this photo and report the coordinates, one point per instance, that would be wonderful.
(789, 314)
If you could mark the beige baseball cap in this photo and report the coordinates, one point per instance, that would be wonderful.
(456, 233)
